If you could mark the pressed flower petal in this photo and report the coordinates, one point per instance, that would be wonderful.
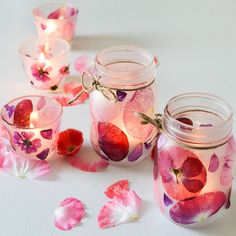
(197, 209)
(136, 153)
(41, 103)
(193, 185)
(167, 200)
(214, 163)
(24, 167)
(191, 167)
(121, 95)
(142, 101)
(1, 161)
(113, 141)
(117, 189)
(88, 161)
(47, 134)
(22, 113)
(43, 155)
(120, 210)
(69, 213)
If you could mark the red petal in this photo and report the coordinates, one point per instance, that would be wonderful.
(117, 189)
(113, 141)
(88, 161)
(69, 142)
(192, 167)
(22, 113)
(193, 185)
(186, 121)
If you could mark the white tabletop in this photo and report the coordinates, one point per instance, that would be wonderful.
(195, 43)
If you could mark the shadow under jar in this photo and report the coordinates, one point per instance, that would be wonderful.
(194, 168)
(124, 79)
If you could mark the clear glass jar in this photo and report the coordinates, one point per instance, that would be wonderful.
(194, 165)
(124, 79)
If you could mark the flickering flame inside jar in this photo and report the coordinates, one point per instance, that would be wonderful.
(33, 119)
(51, 26)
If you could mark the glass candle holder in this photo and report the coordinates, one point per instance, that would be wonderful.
(46, 61)
(33, 124)
(193, 170)
(55, 19)
(122, 84)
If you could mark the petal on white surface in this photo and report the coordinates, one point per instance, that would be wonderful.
(69, 213)
(24, 167)
(120, 210)
(88, 161)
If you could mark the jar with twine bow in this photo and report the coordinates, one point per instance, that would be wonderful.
(121, 85)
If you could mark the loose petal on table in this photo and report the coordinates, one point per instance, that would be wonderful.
(117, 189)
(120, 210)
(69, 213)
(24, 167)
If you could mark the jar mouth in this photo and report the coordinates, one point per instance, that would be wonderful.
(38, 12)
(198, 119)
(125, 66)
(30, 47)
(58, 109)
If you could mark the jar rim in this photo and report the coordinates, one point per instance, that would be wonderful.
(137, 77)
(202, 135)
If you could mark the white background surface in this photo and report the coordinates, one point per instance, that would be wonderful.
(195, 42)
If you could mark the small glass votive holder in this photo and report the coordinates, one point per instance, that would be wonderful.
(33, 124)
(46, 61)
(56, 19)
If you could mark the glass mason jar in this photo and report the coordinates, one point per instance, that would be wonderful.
(123, 83)
(194, 165)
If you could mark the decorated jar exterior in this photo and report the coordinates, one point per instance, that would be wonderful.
(32, 124)
(124, 85)
(195, 159)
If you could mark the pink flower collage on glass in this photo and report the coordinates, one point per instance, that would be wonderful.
(41, 72)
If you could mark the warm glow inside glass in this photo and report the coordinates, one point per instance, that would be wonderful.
(194, 168)
(55, 19)
(127, 73)
(46, 61)
(33, 124)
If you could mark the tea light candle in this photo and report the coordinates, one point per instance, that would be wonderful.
(46, 61)
(33, 124)
(194, 168)
(58, 20)
(125, 85)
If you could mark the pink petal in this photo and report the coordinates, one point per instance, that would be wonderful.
(41, 103)
(88, 161)
(84, 64)
(197, 209)
(117, 189)
(69, 213)
(1, 161)
(143, 101)
(214, 163)
(24, 167)
(120, 210)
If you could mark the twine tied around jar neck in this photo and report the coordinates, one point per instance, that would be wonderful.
(156, 122)
(91, 82)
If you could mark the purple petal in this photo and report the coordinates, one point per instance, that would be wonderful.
(10, 110)
(136, 153)
(147, 145)
(205, 125)
(228, 202)
(47, 134)
(43, 155)
(41, 103)
(120, 95)
(167, 200)
(214, 163)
